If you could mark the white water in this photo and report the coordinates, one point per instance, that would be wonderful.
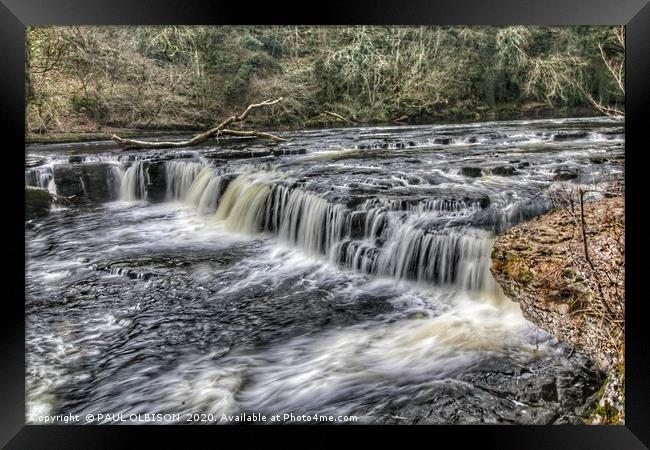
(180, 176)
(134, 184)
(205, 190)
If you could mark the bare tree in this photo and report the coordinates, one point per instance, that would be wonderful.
(616, 67)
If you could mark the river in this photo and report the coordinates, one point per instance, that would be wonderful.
(343, 272)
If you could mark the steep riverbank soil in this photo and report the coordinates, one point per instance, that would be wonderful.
(541, 265)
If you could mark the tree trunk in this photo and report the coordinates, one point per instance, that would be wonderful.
(219, 130)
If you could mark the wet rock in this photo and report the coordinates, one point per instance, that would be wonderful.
(473, 172)
(597, 160)
(357, 224)
(175, 155)
(523, 164)
(126, 158)
(157, 182)
(563, 174)
(614, 131)
(34, 161)
(567, 135)
(93, 181)
(289, 151)
(75, 159)
(37, 202)
(442, 141)
(484, 201)
(504, 171)
(225, 182)
(496, 394)
(549, 391)
(411, 144)
(354, 201)
(238, 154)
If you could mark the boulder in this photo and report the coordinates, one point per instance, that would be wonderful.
(504, 171)
(156, 182)
(566, 135)
(563, 174)
(37, 202)
(473, 172)
(93, 181)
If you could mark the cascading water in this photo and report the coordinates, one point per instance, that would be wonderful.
(205, 191)
(180, 176)
(38, 176)
(134, 183)
(352, 279)
(452, 256)
(115, 179)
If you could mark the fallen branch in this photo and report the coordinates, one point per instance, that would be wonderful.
(66, 200)
(219, 130)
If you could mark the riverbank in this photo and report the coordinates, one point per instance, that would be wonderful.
(541, 265)
(85, 132)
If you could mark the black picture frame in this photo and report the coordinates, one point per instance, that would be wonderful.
(15, 15)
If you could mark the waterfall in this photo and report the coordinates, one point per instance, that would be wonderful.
(451, 257)
(179, 177)
(134, 182)
(116, 177)
(51, 186)
(444, 205)
(311, 222)
(38, 176)
(372, 241)
(189, 182)
(254, 204)
(206, 189)
(244, 204)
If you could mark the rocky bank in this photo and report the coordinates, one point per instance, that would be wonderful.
(541, 264)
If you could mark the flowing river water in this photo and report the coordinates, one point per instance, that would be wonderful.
(344, 272)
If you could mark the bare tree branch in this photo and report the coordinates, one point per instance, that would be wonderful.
(132, 144)
(617, 72)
